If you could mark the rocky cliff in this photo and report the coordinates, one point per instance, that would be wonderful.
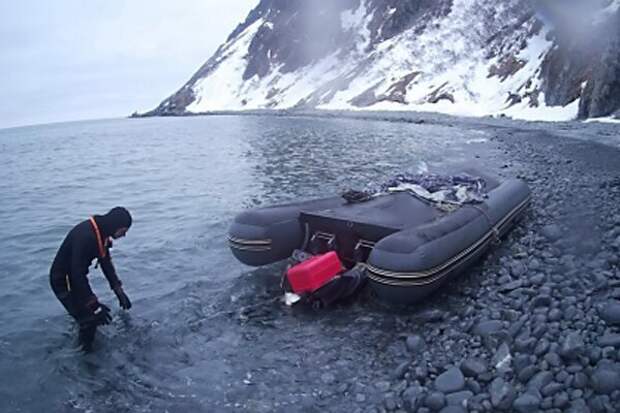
(529, 59)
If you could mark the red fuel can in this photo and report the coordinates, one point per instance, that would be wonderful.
(313, 273)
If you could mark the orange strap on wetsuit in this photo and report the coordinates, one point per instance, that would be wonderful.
(102, 250)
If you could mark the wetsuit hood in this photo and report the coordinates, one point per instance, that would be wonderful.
(116, 218)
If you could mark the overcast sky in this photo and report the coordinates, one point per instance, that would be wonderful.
(88, 59)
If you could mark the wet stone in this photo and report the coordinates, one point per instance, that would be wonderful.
(415, 343)
(572, 346)
(513, 285)
(473, 367)
(521, 361)
(420, 372)
(516, 326)
(502, 360)
(435, 401)
(552, 232)
(553, 359)
(431, 316)
(329, 378)
(541, 301)
(527, 373)
(570, 312)
(578, 406)
(526, 403)
(382, 386)
(539, 331)
(601, 404)
(540, 380)
(542, 347)
(502, 393)
(537, 279)
(401, 370)
(580, 381)
(609, 340)
(555, 315)
(594, 354)
(459, 398)
(551, 389)
(610, 312)
(517, 269)
(390, 403)
(561, 400)
(453, 409)
(411, 397)
(488, 327)
(524, 344)
(605, 380)
(450, 381)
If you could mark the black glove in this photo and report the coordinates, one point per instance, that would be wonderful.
(101, 315)
(123, 300)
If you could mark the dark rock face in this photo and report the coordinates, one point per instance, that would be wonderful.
(296, 33)
(392, 17)
(601, 96)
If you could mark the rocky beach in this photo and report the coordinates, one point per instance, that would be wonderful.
(534, 326)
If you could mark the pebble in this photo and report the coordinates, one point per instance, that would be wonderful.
(382, 386)
(605, 380)
(527, 373)
(553, 359)
(551, 389)
(488, 327)
(572, 346)
(580, 381)
(473, 367)
(503, 393)
(526, 403)
(511, 286)
(542, 347)
(459, 398)
(561, 400)
(415, 343)
(453, 409)
(502, 360)
(541, 301)
(435, 401)
(411, 397)
(609, 340)
(555, 315)
(450, 381)
(540, 380)
(329, 378)
(552, 232)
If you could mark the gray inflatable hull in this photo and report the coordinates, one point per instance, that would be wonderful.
(263, 236)
(409, 248)
(407, 266)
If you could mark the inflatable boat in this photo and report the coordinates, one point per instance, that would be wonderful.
(408, 244)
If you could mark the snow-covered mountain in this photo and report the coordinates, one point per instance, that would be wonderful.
(529, 59)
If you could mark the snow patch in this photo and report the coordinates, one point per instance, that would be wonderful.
(217, 90)
(609, 119)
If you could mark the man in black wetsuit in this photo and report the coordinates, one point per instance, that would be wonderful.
(88, 240)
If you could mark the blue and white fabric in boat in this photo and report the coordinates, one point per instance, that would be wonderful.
(445, 191)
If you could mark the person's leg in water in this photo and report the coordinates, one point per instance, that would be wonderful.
(87, 336)
(87, 327)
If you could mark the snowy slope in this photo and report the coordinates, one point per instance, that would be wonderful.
(465, 57)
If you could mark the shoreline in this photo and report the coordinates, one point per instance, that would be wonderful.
(535, 324)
